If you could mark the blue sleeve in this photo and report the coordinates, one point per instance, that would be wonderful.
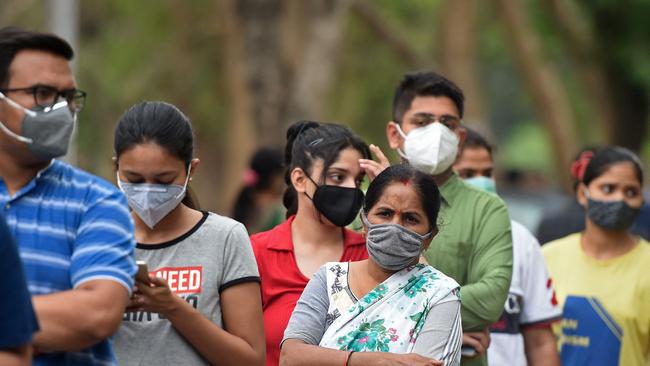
(104, 246)
(17, 318)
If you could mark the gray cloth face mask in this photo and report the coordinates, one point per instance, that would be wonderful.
(46, 130)
(393, 247)
(152, 202)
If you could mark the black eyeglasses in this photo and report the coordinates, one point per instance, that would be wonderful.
(46, 96)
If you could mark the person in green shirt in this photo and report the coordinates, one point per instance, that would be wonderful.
(474, 245)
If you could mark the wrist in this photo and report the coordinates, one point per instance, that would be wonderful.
(175, 307)
(364, 358)
(348, 357)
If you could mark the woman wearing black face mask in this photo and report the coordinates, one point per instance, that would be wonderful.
(389, 308)
(600, 275)
(323, 196)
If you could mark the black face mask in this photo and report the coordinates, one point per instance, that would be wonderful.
(340, 205)
(611, 215)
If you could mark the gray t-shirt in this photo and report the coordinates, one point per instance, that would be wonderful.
(440, 337)
(198, 266)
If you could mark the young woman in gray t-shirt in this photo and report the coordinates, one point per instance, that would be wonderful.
(201, 303)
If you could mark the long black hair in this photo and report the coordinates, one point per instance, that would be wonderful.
(265, 164)
(163, 124)
(308, 141)
(607, 156)
(423, 184)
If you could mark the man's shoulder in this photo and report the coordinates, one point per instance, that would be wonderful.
(69, 177)
(522, 236)
(476, 197)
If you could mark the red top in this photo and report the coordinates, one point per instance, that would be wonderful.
(282, 281)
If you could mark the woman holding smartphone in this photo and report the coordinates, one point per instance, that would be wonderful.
(201, 304)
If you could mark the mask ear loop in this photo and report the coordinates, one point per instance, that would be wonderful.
(187, 179)
(6, 129)
(119, 181)
(404, 136)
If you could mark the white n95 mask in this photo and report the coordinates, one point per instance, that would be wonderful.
(430, 149)
(152, 202)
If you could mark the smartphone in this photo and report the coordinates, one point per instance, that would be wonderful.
(468, 351)
(143, 272)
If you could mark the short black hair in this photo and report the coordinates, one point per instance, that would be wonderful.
(475, 140)
(14, 40)
(424, 83)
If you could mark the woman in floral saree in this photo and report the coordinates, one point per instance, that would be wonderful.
(388, 309)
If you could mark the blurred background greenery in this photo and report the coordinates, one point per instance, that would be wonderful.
(542, 78)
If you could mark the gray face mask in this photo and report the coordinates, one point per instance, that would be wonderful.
(393, 247)
(152, 202)
(611, 215)
(46, 130)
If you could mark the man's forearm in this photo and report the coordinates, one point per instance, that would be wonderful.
(482, 302)
(76, 319)
(19, 356)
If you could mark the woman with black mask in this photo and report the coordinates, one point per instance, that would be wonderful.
(600, 274)
(323, 196)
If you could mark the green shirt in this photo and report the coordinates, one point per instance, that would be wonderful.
(474, 247)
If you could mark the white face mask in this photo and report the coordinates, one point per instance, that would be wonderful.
(431, 149)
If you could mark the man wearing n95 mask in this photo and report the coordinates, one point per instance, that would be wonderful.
(474, 245)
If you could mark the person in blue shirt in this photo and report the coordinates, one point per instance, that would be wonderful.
(16, 313)
(73, 230)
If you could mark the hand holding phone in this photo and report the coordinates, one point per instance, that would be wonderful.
(143, 272)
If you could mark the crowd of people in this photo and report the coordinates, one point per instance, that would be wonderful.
(434, 272)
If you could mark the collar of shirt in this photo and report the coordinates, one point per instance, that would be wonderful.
(4, 194)
(450, 189)
(281, 237)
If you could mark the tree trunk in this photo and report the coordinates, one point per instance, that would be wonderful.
(313, 72)
(279, 64)
(548, 95)
(239, 142)
(458, 55)
(389, 35)
(581, 45)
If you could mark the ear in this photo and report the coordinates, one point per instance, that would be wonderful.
(393, 136)
(194, 164)
(580, 194)
(299, 180)
(114, 160)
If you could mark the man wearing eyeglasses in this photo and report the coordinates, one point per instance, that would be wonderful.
(73, 230)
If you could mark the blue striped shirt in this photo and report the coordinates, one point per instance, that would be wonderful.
(71, 227)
